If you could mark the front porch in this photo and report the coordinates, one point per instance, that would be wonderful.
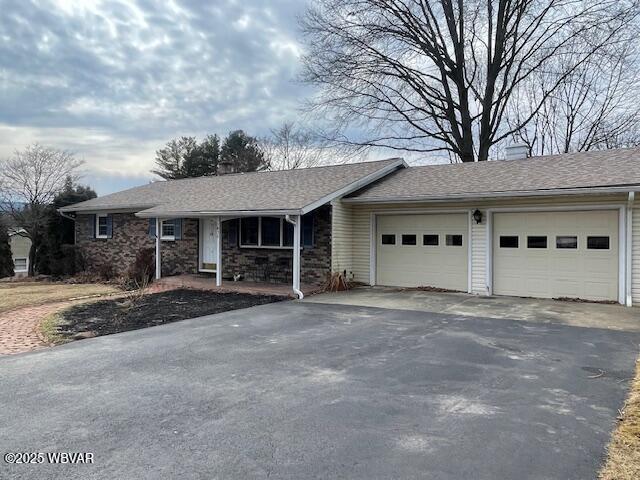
(208, 282)
(275, 254)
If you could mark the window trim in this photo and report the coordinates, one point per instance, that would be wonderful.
(267, 247)
(517, 237)
(608, 237)
(546, 242)
(382, 235)
(431, 245)
(567, 248)
(26, 264)
(97, 227)
(167, 237)
(402, 244)
(446, 238)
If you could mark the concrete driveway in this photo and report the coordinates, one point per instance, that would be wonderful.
(311, 390)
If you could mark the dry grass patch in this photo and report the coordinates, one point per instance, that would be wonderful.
(17, 294)
(49, 329)
(623, 453)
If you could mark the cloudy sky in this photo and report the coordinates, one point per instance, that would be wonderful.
(115, 80)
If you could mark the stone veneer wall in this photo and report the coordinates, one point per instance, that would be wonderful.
(315, 261)
(130, 235)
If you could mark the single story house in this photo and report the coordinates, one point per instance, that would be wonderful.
(20, 246)
(550, 226)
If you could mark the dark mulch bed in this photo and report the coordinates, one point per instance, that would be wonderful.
(120, 315)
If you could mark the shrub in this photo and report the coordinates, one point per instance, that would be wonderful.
(142, 270)
(106, 271)
(67, 262)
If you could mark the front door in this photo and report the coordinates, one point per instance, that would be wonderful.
(208, 244)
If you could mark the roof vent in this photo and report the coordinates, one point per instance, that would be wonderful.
(516, 151)
(225, 167)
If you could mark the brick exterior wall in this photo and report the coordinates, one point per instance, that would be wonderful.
(315, 261)
(130, 235)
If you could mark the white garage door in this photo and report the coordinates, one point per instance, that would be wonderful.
(556, 254)
(422, 250)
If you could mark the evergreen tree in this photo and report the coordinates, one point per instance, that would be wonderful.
(54, 258)
(243, 152)
(186, 158)
(6, 260)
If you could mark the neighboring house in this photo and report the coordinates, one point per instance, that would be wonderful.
(554, 226)
(20, 247)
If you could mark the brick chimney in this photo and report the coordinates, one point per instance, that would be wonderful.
(516, 151)
(225, 167)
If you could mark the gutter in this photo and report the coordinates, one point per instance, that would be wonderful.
(221, 213)
(484, 196)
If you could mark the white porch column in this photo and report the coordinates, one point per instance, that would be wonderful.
(296, 256)
(158, 262)
(219, 252)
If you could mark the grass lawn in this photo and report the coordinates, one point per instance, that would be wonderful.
(25, 294)
(623, 459)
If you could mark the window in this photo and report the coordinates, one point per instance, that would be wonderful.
(273, 232)
(567, 242)
(598, 243)
(537, 242)
(249, 231)
(388, 240)
(509, 241)
(102, 226)
(409, 239)
(430, 240)
(168, 229)
(270, 231)
(453, 240)
(19, 264)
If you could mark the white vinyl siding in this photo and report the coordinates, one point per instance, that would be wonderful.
(341, 254)
(479, 256)
(635, 256)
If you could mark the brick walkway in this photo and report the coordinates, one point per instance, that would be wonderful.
(19, 329)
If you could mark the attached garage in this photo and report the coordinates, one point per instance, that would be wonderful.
(556, 254)
(422, 250)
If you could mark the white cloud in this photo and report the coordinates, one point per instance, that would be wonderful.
(115, 80)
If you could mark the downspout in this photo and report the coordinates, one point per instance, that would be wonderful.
(296, 254)
(629, 250)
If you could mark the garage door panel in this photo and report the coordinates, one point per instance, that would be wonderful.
(556, 272)
(443, 266)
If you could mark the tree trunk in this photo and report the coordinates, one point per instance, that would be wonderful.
(32, 259)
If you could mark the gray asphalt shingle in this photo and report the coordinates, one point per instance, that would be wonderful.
(606, 168)
(257, 191)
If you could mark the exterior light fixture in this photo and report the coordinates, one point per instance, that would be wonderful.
(477, 216)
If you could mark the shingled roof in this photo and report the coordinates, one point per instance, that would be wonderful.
(553, 174)
(286, 191)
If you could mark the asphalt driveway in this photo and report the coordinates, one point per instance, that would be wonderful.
(310, 390)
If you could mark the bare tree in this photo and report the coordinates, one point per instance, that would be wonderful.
(29, 181)
(594, 108)
(439, 75)
(291, 146)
